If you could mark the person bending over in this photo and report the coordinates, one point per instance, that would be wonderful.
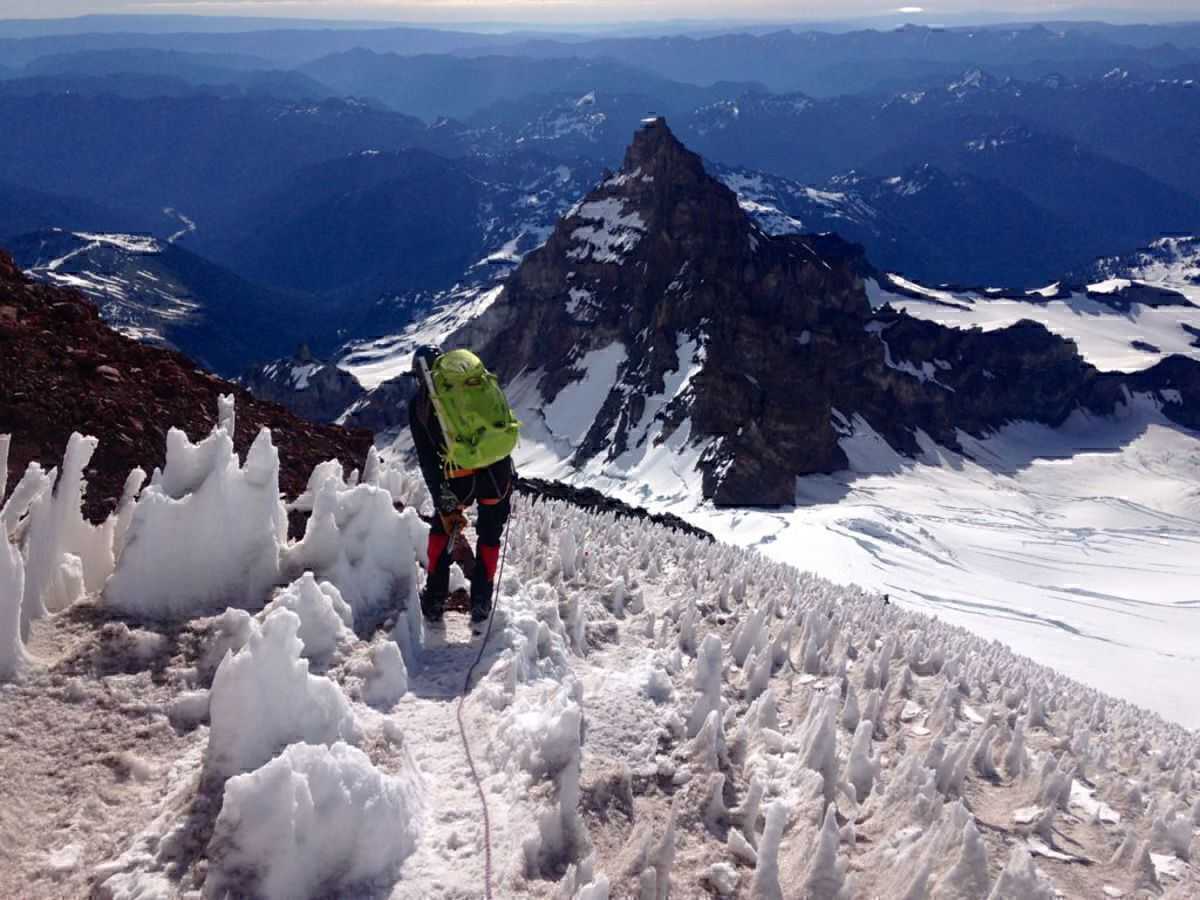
(456, 488)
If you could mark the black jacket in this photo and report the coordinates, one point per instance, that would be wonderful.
(428, 440)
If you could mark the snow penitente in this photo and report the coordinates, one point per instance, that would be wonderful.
(665, 715)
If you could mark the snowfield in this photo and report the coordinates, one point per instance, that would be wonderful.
(1076, 546)
(1110, 339)
(375, 361)
(652, 716)
(121, 273)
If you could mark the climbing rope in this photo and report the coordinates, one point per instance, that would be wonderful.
(462, 728)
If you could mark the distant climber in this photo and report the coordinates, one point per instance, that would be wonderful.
(464, 434)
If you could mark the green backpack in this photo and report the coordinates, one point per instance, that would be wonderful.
(479, 427)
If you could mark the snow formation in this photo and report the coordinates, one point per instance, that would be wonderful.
(325, 618)
(206, 533)
(356, 539)
(652, 716)
(12, 586)
(68, 556)
(314, 820)
(264, 698)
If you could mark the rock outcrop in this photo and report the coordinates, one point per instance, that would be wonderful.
(309, 387)
(593, 500)
(63, 370)
(769, 343)
(383, 409)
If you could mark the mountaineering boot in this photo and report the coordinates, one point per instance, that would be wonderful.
(437, 584)
(481, 596)
(433, 606)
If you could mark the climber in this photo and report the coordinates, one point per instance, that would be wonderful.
(456, 395)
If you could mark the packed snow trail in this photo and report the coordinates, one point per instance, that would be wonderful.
(485, 634)
(454, 861)
(653, 716)
(450, 651)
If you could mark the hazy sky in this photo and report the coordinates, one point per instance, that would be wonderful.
(594, 11)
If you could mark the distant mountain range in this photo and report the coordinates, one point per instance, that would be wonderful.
(432, 86)
(367, 175)
(660, 328)
(805, 59)
(151, 73)
(157, 292)
(280, 46)
(1056, 195)
(828, 64)
(202, 155)
(375, 224)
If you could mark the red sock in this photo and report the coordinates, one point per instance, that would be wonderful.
(489, 555)
(437, 546)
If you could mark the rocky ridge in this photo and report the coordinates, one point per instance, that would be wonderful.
(156, 291)
(309, 387)
(63, 370)
(786, 355)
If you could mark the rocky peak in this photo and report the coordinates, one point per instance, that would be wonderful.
(659, 318)
(660, 262)
(661, 246)
(309, 387)
(658, 154)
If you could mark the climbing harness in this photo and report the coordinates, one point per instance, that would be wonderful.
(462, 728)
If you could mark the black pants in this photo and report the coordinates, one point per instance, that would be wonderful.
(491, 488)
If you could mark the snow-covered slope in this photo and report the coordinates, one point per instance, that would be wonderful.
(1075, 546)
(382, 359)
(116, 270)
(783, 206)
(310, 387)
(1170, 261)
(1071, 540)
(381, 364)
(155, 291)
(653, 715)
(1116, 326)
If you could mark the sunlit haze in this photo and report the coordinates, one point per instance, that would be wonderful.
(582, 12)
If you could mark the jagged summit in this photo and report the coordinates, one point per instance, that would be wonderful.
(657, 152)
(653, 246)
(660, 262)
(659, 315)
